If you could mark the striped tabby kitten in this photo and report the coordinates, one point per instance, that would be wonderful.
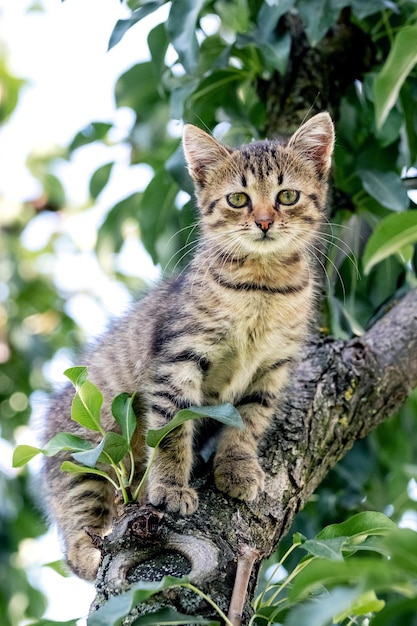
(226, 330)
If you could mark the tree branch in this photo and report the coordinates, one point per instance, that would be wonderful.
(340, 391)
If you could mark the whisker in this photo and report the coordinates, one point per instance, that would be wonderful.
(191, 228)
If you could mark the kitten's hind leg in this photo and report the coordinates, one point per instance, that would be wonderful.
(79, 502)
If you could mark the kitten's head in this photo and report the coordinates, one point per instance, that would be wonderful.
(264, 197)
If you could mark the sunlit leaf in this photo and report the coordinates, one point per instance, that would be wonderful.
(66, 441)
(123, 413)
(77, 375)
(23, 454)
(181, 26)
(86, 406)
(370, 573)
(73, 468)
(224, 413)
(96, 131)
(390, 236)
(100, 179)
(115, 447)
(325, 548)
(360, 525)
(122, 26)
(60, 567)
(401, 60)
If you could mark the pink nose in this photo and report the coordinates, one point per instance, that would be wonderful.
(264, 223)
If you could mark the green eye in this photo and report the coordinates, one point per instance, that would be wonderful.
(237, 200)
(288, 196)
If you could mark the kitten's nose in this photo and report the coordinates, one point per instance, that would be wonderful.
(264, 223)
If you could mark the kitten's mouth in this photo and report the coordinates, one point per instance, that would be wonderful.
(266, 236)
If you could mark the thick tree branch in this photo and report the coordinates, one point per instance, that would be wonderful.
(340, 391)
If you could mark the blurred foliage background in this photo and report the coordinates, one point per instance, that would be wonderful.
(237, 69)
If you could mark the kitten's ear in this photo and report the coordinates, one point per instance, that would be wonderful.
(314, 140)
(202, 152)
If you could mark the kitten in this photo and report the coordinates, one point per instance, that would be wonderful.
(227, 329)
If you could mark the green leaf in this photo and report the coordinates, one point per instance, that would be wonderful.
(73, 468)
(401, 60)
(360, 525)
(86, 406)
(158, 44)
(321, 610)
(408, 106)
(59, 442)
(122, 409)
(53, 189)
(60, 567)
(110, 235)
(370, 573)
(50, 622)
(140, 100)
(66, 441)
(181, 26)
(402, 547)
(122, 26)
(362, 9)
(269, 14)
(319, 16)
(325, 548)
(77, 375)
(113, 612)
(115, 447)
(225, 413)
(171, 617)
(397, 613)
(89, 457)
(23, 454)
(96, 131)
(100, 179)
(386, 187)
(366, 603)
(154, 210)
(390, 236)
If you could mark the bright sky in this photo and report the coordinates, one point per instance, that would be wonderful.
(62, 53)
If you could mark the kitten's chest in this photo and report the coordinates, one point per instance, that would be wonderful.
(259, 331)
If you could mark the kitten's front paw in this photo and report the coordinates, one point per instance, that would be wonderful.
(240, 478)
(182, 500)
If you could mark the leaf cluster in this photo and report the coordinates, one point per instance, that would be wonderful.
(347, 566)
(108, 458)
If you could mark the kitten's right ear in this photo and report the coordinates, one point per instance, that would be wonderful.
(314, 140)
(202, 152)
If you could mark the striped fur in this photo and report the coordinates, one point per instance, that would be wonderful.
(226, 330)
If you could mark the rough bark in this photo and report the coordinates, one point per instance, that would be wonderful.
(340, 391)
(316, 77)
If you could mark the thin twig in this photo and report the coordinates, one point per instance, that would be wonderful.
(245, 563)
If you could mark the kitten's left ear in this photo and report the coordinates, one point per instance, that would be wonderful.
(202, 152)
(315, 140)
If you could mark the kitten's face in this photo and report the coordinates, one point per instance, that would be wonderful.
(263, 198)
